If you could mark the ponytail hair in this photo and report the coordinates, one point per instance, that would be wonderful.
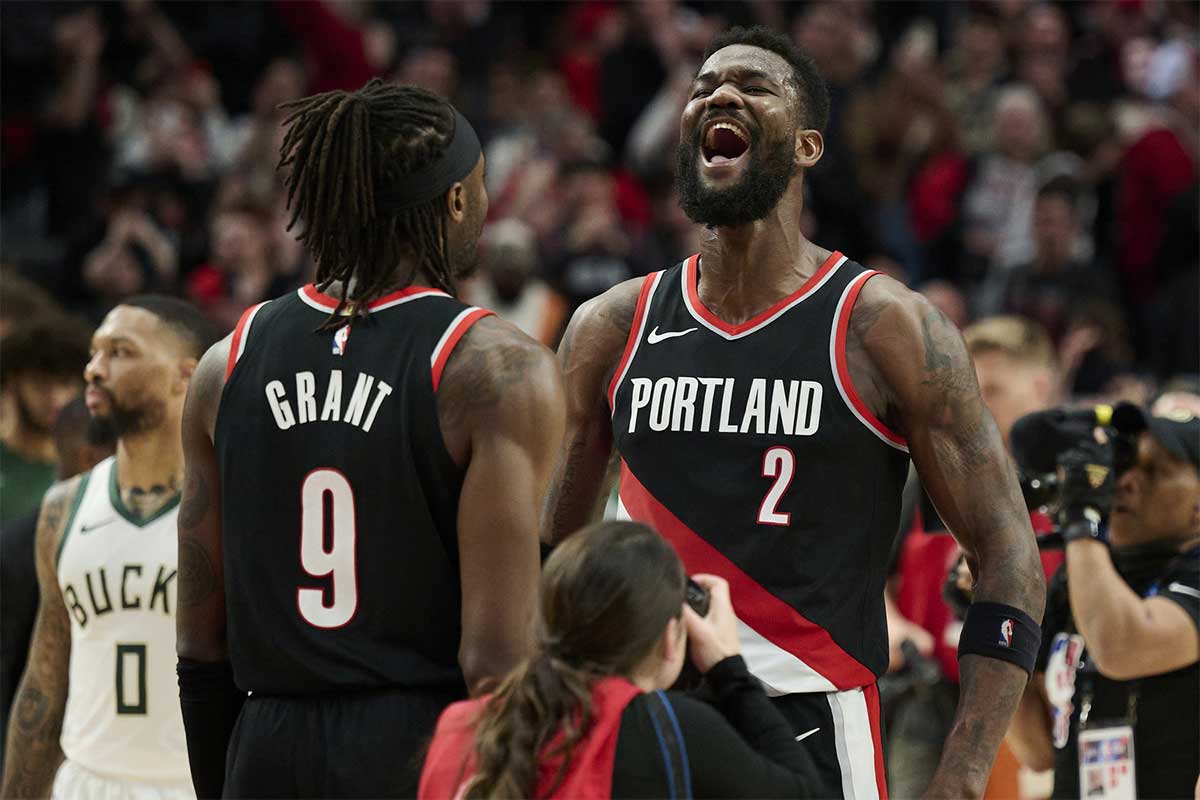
(607, 592)
(341, 150)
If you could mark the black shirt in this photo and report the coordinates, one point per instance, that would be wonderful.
(18, 608)
(1166, 731)
(743, 747)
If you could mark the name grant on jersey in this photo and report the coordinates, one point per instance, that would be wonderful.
(331, 407)
(722, 405)
(129, 596)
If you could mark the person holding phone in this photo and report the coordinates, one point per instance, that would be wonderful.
(587, 715)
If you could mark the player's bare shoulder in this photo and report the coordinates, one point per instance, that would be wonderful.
(55, 515)
(596, 335)
(206, 385)
(495, 370)
(908, 354)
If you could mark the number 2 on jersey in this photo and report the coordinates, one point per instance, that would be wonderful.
(778, 463)
(339, 561)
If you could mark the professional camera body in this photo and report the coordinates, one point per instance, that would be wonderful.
(1040, 439)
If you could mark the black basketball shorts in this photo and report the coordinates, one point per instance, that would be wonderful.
(366, 744)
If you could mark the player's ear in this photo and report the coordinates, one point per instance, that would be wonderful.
(456, 202)
(810, 146)
(187, 367)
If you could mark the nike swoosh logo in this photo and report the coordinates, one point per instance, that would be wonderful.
(804, 736)
(90, 528)
(655, 337)
(1179, 587)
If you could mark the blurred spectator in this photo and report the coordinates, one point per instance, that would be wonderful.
(1043, 60)
(243, 268)
(41, 370)
(949, 300)
(21, 299)
(1058, 278)
(999, 200)
(976, 65)
(1096, 348)
(433, 68)
(509, 284)
(1017, 368)
(78, 448)
(335, 41)
(595, 248)
(128, 126)
(133, 257)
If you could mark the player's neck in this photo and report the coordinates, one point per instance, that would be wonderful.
(419, 278)
(747, 269)
(151, 462)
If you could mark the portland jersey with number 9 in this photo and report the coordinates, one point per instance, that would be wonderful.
(339, 498)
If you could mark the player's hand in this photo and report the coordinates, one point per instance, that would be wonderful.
(713, 637)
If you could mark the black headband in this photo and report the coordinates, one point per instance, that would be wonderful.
(434, 179)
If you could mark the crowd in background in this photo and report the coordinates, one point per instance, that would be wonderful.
(1011, 157)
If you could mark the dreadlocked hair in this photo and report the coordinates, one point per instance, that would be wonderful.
(344, 149)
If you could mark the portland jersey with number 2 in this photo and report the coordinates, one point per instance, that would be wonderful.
(339, 496)
(748, 447)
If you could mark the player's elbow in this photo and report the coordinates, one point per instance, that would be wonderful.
(482, 668)
(197, 643)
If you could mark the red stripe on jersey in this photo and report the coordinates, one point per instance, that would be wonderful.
(843, 322)
(331, 303)
(235, 344)
(691, 279)
(635, 334)
(871, 695)
(771, 617)
(452, 338)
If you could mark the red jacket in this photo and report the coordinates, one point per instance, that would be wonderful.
(451, 760)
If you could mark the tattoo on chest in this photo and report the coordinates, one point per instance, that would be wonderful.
(144, 501)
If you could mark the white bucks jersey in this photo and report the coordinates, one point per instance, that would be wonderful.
(117, 573)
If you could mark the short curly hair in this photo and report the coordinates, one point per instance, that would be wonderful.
(806, 79)
(50, 343)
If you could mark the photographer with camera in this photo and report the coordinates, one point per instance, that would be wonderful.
(586, 716)
(1112, 707)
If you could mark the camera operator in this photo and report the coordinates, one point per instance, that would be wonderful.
(1113, 704)
(586, 717)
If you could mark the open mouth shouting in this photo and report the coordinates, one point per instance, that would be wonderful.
(723, 142)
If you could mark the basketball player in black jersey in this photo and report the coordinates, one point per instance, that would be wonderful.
(764, 397)
(365, 458)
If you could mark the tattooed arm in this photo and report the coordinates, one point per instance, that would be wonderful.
(33, 752)
(500, 408)
(209, 699)
(923, 383)
(589, 353)
(200, 622)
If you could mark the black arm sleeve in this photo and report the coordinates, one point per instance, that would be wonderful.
(744, 749)
(211, 703)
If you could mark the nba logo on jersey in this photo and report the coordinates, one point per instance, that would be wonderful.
(339, 340)
(1006, 632)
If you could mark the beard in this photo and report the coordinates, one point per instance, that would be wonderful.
(753, 197)
(462, 243)
(122, 420)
